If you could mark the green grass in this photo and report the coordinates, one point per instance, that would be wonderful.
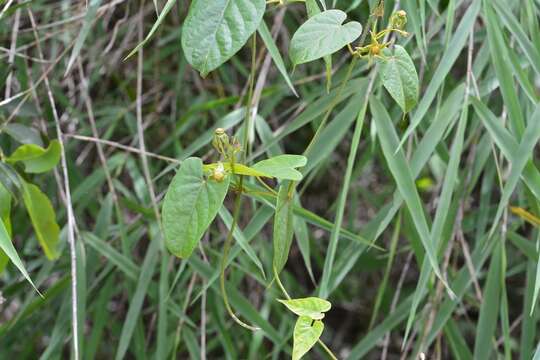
(401, 221)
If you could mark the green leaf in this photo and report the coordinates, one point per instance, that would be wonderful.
(283, 226)
(43, 219)
(322, 35)
(7, 246)
(191, 204)
(282, 167)
(312, 307)
(399, 77)
(37, 159)
(23, 134)
(215, 30)
(306, 334)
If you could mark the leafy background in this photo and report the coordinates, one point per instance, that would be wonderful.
(467, 152)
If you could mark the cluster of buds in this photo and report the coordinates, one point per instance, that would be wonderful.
(398, 20)
(227, 148)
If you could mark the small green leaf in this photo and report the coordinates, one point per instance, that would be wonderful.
(191, 204)
(43, 219)
(283, 226)
(306, 334)
(35, 158)
(215, 30)
(312, 307)
(321, 35)
(282, 167)
(7, 247)
(399, 77)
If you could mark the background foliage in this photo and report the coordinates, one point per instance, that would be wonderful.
(453, 184)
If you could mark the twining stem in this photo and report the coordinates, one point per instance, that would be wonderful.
(238, 200)
(286, 294)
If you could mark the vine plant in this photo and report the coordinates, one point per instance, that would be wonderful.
(213, 32)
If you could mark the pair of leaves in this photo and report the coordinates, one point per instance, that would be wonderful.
(35, 158)
(312, 307)
(321, 35)
(400, 79)
(281, 167)
(215, 30)
(193, 201)
(309, 327)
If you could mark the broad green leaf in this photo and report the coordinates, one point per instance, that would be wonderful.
(399, 77)
(215, 30)
(321, 35)
(35, 158)
(191, 204)
(282, 167)
(43, 219)
(23, 134)
(283, 226)
(7, 247)
(312, 307)
(239, 169)
(306, 334)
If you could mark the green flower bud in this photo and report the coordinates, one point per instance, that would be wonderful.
(398, 20)
(221, 141)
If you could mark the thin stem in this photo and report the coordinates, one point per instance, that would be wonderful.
(238, 200)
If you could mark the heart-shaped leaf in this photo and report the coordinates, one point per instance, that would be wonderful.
(283, 226)
(321, 35)
(43, 219)
(399, 77)
(35, 158)
(282, 167)
(215, 30)
(191, 204)
(312, 307)
(306, 333)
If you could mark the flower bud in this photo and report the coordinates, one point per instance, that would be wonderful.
(221, 141)
(398, 20)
